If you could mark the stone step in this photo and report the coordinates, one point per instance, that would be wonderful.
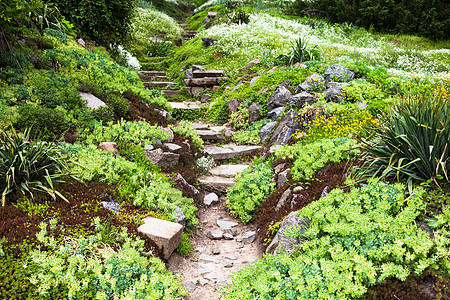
(185, 105)
(144, 74)
(188, 36)
(155, 78)
(210, 134)
(227, 170)
(167, 235)
(200, 126)
(229, 151)
(205, 81)
(216, 183)
(160, 84)
(167, 93)
(208, 73)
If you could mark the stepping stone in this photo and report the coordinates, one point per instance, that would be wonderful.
(215, 183)
(210, 135)
(227, 170)
(210, 198)
(184, 105)
(147, 75)
(200, 126)
(208, 73)
(205, 258)
(167, 93)
(172, 147)
(218, 128)
(160, 84)
(205, 81)
(229, 151)
(249, 237)
(215, 234)
(226, 224)
(167, 235)
(92, 101)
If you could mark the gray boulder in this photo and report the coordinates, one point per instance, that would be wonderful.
(163, 159)
(233, 105)
(253, 112)
(254, 80)
(310, 82)
(334, 94)
(266, 131)
(283, 132)
(283, 243)
(111, 205)
(282, 200)
(339, 73)
(279, 97)
(182, 184)
(275, 113)
(181, 218)
(299, 100)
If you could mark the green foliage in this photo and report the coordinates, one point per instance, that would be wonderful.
(28, 166)
(104, 21)
(189, 114)
(251, 189)
(250, 135)
(89, 267)
(430, 19)
(352, 241)
(185, 248)
(31, 208)
(159, 49)
(310, 158)
(239, 16)
(205, 163)
(219, 112)
(361, 90)
(184, 128)
(137, 180)
(136, 132)
(301, 52)
(412, 141)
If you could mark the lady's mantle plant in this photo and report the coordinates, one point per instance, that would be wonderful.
(90, 268)
(354, 240)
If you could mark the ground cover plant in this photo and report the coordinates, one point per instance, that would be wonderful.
(351, 242)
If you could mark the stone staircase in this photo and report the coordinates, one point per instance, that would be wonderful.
(203, 79)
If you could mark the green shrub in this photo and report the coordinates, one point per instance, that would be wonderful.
(104, 21)
(352, 241)
(301, 52)
(310, 158)
(91, 267)
(49, 123)
(184, 128)
(219, 112)
(361, 90)
(412, 141)
(251, 189)
(185, 248)
(250, 135)
(150, 22)
(28, 166)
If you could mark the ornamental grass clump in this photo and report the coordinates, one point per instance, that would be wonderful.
(28, 166)
(412, 141)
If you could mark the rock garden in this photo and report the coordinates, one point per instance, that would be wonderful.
(224, 150)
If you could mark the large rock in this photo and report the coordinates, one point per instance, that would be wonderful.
(182, 184)
(253, 112)
(282, 201)
(166, 235)
(190, 72)
(266, 131)
(205, 81)
(163, 159)
(279, 97)
(299, 100)
(92, 101)
(233, 105)
(334, 95)
(210, 135)
(275, 113)
(339, 73)
(209, 73)
(281, 242)
(310, 83)
(283, 132)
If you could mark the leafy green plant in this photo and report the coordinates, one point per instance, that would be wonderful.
(240, 16)
(310, 158)
(205, 163)
(28, 166)
(352, 241)
(250, 134)
(90, 267)
(251, 189)
(301, 52)
(185, 248)
(412, 141)
(185, 128)
(159, 49)
(362, 90)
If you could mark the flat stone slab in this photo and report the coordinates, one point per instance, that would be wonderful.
(200, 126)
(205, 81)
(165, 234)
(227, 170)
(217, 184)
(92, 101)
(160, 84)
(210, 135)
(208, 73)
(167, 93)
(229, 151)
(226, 224)
(205, 258)
(184, 105)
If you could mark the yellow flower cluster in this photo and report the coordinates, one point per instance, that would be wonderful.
(338, 124)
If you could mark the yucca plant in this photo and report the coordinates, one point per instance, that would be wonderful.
(28, 166)
(412, 142)
(301, 52)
